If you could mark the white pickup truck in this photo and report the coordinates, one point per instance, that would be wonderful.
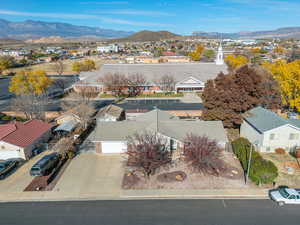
(285, 196)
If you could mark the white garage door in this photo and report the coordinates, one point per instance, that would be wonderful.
(114, 146)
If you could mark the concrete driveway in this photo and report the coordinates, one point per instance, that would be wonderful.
(20, 179)
(92, 174)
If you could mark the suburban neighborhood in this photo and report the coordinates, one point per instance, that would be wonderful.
(139, 113)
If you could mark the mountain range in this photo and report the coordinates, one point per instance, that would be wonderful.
(286, 32)
(30, 29)
(34, 30)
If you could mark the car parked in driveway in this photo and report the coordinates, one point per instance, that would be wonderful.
(7, 166)
(285, 195)
(45, 165)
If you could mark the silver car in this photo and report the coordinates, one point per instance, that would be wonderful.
(285, 196)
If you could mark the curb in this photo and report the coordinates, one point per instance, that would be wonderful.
(146, 197)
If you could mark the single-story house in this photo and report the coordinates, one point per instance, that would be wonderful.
(66, 117)
(18, 139)
(111, 113)
(269, 131)
(111, 137)
(134, 108)
(189, 77)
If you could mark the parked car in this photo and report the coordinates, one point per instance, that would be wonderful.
(36, 151)
(285, 195)
(7, 166)
(45, 165)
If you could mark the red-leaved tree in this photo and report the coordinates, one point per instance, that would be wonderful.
(148, 152)
(203, 155)
(227, 97)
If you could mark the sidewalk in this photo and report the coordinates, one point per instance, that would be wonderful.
(196, 194)
(136, 195)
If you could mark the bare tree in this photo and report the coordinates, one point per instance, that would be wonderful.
(203, 155)
(167, 83)
(148, 151)
(81, 105)
(59, 67)
(116, 83)
(136, 83)
(32, 106)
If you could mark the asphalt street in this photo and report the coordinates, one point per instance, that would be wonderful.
(150, 212)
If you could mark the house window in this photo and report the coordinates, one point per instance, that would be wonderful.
(272, 136)
(2, 147)
(173, 144)
(268, 149)
(294, 136)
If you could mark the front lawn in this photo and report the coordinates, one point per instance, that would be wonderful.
(232, 177)
(286, 176)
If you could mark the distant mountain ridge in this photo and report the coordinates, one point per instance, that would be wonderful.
(147, 35)
(285, 32)
(30, 29)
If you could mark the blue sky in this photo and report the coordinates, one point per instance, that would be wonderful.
(182, 17)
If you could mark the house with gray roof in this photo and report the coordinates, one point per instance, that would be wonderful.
(111, 137)
(269, 131)
(111, 113)
(189, 77)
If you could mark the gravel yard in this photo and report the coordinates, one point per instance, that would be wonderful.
(196, 180)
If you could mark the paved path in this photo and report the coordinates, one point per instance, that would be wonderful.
(191, 98)
(158, 212)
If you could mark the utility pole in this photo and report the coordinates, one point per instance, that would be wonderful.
(249, 163)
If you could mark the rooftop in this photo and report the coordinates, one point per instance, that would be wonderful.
(160, 122)
(23, 134)
(112, 110)
(263, 119)
(180, 71)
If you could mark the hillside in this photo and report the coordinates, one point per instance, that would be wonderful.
(30, 29)
(52, 39)
(146, 35)
(285, 32)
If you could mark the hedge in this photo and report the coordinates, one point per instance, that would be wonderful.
(261, 171)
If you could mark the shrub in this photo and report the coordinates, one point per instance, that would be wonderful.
(280, 151)
(297, 153)
(241, 148)
(203, 155)
(148, 151)
(7, 118)
(261, 171)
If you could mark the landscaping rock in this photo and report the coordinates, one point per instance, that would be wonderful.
(130, 180)
(176, 176)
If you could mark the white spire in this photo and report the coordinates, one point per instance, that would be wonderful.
(220, 55)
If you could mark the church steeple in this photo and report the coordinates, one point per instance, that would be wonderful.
(220, 55)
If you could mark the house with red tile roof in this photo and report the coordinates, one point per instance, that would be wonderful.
(18, 139)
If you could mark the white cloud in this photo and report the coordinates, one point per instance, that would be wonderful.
(80, 16)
